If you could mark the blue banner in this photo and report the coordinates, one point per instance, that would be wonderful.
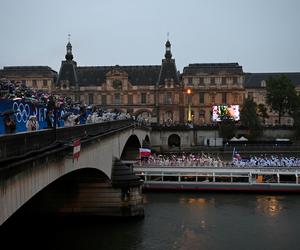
(22, 111)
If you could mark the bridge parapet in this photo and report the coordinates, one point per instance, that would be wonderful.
(23, 143)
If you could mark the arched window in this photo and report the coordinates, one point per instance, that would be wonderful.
(174, 140)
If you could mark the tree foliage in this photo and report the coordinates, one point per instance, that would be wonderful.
(227, 128)
(296, 116)
(262, 112)
(250, 119)
(281, 95)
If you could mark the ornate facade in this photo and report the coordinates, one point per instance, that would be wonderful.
(151, 91)
(158, 93)
(212, 84)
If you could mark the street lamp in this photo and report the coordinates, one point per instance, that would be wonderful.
(189, 92)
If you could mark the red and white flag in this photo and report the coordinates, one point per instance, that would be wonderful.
(76, 148)
(145, 152)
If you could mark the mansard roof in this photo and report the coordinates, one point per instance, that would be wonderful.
(168, 71)
(137, 75)
(28, 71)
(68, 72)
(254, 80)
(213, 68)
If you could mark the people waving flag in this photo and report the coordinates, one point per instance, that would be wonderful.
(235, 155)
(144, 152)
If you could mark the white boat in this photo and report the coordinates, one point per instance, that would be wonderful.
(264, 179)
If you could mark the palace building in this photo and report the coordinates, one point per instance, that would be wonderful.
(151, 91)
(158, 93)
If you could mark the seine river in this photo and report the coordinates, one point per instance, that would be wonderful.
(173, 221)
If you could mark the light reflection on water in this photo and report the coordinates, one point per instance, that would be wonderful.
(270, 205)
(183, 221)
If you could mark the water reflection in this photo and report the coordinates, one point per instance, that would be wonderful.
(270, 205)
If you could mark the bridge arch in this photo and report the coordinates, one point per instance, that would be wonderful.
(131, 148)
(174, 140)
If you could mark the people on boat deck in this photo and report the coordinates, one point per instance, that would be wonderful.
(206, 160)
(185, 160)
(268, 161)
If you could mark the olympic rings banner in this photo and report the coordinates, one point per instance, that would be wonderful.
(22, 111)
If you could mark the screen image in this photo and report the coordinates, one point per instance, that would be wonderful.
(222, 112)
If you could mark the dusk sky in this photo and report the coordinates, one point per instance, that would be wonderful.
(262, 36)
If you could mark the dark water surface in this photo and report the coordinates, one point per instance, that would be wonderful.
(173, 221)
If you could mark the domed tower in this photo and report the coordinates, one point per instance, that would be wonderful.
(168, 88)
(67, 80)
(69, 55)
(168, 54)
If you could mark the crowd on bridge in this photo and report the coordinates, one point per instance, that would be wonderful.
(61, 111)
(207, 160)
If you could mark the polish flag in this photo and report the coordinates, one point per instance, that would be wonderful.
(145, 152)
(76, 148)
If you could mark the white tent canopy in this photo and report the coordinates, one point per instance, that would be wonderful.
(234, 139)
(243, 139)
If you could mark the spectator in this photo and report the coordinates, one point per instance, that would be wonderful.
(32, 123)
(9, 124)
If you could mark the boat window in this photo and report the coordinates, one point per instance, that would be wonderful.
(222, 179)
(287, 178)
(240, 179)
(188, 178)
(170, 178)
(154, 178)
(204, 179)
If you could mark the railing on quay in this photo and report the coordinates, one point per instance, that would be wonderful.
(16, 145)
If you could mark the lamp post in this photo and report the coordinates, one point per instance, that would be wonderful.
(189, 118)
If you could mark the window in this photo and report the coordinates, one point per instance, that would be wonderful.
(263, 83)
(143, 98)
(201, 97)
(218, 80)
(212, 98)
(168, 98)
(229, 80)
(235, 99)
(117, 99)
(250, 95)
(23, 81)
(103, 99)
(207, 80)
(195, 81)
(190, 80)
(130, 99)
(45, 83)
(91, 99)
(224, 98)
(34, 84)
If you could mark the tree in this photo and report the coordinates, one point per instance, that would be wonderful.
(281, 95)
(227, 128)
(262, 112)
(296, 117)
(250, 119)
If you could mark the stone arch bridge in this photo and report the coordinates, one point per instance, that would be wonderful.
(40, 167)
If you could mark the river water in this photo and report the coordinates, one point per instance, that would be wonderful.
(173, 220)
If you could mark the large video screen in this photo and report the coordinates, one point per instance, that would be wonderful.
(225, 112)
